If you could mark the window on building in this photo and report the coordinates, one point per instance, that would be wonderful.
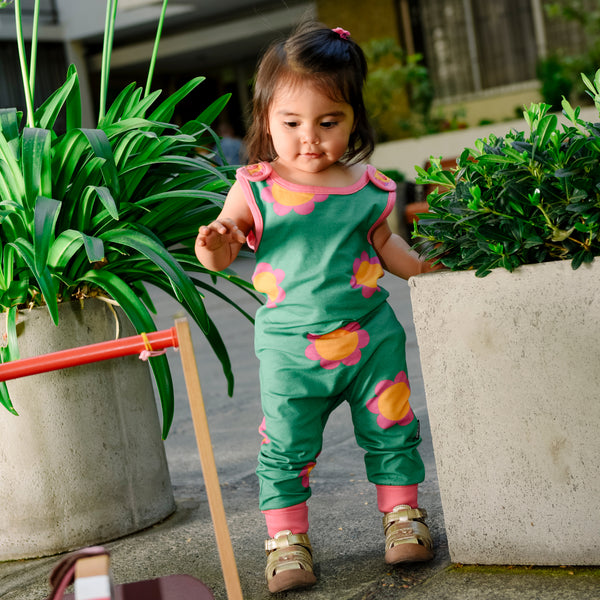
(51, 72)
(475, 45)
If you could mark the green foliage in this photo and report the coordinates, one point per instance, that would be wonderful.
(519, 199)
(585, 13)
(398, 92)
(556, 80)
(105, 211)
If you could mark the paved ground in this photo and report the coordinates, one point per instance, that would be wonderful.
(345, 524)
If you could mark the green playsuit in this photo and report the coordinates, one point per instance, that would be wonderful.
(326, 333)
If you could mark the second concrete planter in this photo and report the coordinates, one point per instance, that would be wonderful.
(511, 365)
(83, 462)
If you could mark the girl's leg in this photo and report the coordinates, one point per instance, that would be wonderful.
(296, 404)
(386, 427)
(295, 416)
(384, 423)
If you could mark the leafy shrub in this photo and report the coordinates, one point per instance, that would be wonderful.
(518, 199)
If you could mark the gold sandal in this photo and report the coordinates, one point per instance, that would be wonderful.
(407, 537)
(289, 562)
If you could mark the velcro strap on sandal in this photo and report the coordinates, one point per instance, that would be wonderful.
(286, 540)
(403, 514)
(409, 532)
(288, 559)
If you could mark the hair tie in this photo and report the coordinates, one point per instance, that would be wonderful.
(342, 33)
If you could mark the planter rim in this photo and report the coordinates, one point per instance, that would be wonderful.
(498, 271)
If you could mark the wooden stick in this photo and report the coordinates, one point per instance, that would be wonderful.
(207, 460)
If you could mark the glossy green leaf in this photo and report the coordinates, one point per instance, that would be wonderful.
(45, 215)
(94, 247)
(9, 352)
(166, 108)
(36, 161)
(43, 278)
(73, 103)
(45, 116)
(11, 171)
(182, 286)
(9, 125)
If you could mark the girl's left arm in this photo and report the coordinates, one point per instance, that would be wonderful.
(397, 256)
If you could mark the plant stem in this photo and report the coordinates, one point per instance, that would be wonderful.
(155, 49)
(33, 57)
(109, 32)
(23, 63)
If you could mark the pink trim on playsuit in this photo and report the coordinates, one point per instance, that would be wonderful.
(264, 171)
(254, 236)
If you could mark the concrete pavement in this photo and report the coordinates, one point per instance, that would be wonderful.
(346, 529)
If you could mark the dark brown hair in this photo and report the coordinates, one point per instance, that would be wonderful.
(318, 54)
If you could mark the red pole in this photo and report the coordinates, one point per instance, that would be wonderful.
(156, 340)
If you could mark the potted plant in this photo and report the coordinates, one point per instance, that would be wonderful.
(509, 338)
(88, 217)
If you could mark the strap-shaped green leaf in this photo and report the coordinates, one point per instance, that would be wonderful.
(9, 125)
(73, 106)
(164, 111)
(102, 149)
(113, 114)
(43, 278)
(36, 165)
(209, 114)
(64, 247)
(46, 115)
(45, 215)
(182, 285)
(11, 172)
(8, 353)
(94, 247)
(86, 209)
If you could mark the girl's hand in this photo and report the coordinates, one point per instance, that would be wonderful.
(219, 242)
(219, 233)
(427, 266)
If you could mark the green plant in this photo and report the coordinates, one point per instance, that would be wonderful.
(586, 14)
(519, 199)
(398, 91)
(556, 80)
(105, 211)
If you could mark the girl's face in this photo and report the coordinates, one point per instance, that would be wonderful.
(309, 130)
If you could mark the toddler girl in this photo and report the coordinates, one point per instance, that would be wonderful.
(315, 215)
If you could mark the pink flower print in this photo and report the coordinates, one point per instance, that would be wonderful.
(305, 473)
(284, 201)
(381, 180)
(390, 402)
(262, 429)
(266, 280)
(340, 346)
(366, 273)
(257, 172)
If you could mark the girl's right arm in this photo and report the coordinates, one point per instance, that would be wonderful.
(219, 242)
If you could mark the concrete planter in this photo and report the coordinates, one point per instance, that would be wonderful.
(511, 365)
(83, 462)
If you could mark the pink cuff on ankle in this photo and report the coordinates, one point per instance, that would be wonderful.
(294, 518)
(389, 496)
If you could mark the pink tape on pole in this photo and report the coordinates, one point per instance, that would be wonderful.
(149, 352)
